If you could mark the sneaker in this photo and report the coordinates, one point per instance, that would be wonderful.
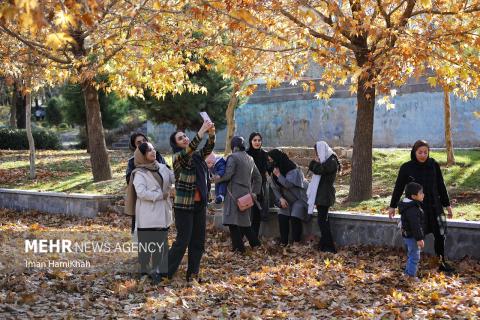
(219, 199)
(410, 278)
(445, 267)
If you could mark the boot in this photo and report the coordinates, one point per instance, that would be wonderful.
(445, 267)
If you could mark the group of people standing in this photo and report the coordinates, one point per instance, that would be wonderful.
(156, 191)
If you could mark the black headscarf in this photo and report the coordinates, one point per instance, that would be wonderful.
(282, 161)
(259, 155)
(201, 168)
(418, 144)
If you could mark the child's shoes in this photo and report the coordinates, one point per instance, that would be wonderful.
(219, 199)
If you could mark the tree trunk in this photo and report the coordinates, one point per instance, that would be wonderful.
(31, 142)
(230, 114)
(13, 107)
(96, 138)
(361, 177)
(448, 128)
(21, 107)
(86, 136)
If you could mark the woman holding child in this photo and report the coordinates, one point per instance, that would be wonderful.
(425, 171)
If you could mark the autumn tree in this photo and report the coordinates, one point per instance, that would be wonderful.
(370, 46)
(137, 42)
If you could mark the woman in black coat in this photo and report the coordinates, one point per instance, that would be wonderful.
(425, 170)
(260, 157)
(321, 192)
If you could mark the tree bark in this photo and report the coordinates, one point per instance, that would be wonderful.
(448, 128)
(13, 107)
(31, 142)
(21, 107)
(361, 177)
(96, 138)
(230, 115)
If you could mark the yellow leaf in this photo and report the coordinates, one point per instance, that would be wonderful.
(57, 40)
(64, 20)
(432, 81)
(426, 3)
(245, 15)
(434, 297)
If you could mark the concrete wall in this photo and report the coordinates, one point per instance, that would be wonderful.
(289, 116)
(361, 229)
(82, 205)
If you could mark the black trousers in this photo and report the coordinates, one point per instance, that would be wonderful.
(326, 240)
(133, 224)
(284, 224)
(236, 235)
(256, 217)
(190, 226)
(439, 237)
(153, 247)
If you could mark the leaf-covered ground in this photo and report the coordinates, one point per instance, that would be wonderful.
(269, 283)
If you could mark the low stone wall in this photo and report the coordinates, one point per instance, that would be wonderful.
(463, 237)
(83, 205)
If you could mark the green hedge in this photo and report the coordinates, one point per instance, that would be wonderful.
(16, 139)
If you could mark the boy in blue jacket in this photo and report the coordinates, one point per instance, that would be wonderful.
(412, 226)
(216, 165)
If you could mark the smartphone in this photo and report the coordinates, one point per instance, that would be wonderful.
(205, 116)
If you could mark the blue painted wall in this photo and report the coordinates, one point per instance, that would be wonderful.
(416, 116)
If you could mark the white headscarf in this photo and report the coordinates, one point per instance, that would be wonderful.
(324, 152)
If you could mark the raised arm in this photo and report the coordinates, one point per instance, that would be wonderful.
(182, 158)
(208, 148)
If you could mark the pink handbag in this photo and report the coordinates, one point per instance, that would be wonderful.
(245, 202)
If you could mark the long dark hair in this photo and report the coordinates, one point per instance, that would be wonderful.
(133, 137)
(173, 142)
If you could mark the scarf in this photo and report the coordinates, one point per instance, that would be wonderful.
(141, 163)
(282, 161)
(324, 152)
(259, 156)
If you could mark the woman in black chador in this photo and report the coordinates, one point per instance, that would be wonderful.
(425, 170)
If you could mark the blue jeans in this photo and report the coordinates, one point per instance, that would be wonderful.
(413, 256)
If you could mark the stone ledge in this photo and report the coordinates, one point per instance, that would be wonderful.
(379, 230)
(83, 205)
(58, 194)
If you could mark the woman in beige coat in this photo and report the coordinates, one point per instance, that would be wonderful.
(149, 198)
